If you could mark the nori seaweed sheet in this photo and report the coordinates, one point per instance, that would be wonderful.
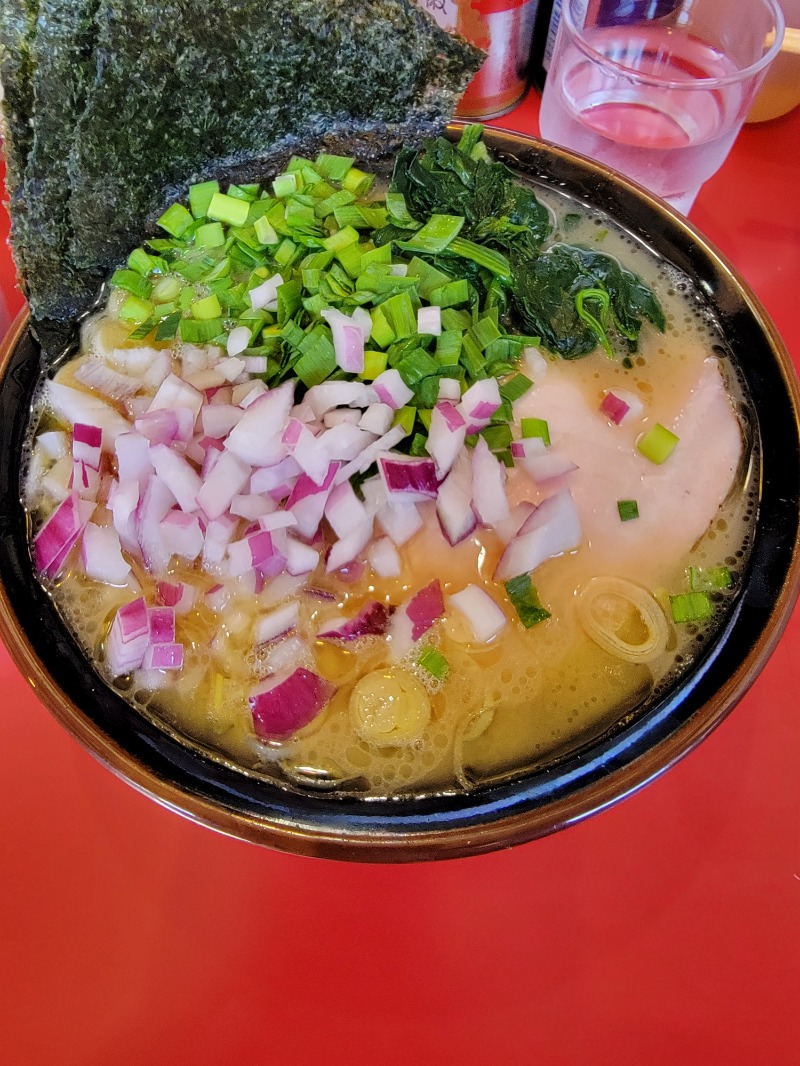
(224, 82)
(63, 68)
(134, 99)
(17, 27)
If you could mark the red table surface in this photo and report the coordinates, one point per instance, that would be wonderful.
(664, 930)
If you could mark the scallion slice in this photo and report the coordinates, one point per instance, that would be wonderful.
(525, 600)
(535, 427)
(657, 444)
(432, 661)
(691, 607)
(628, 510)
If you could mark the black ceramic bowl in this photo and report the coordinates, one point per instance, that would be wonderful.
(187, 779)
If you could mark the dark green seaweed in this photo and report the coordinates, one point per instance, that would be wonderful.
(225, 82)
(136, 98)
(63, 69)
(17, 28)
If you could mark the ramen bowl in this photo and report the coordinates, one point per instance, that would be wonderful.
(211, 789)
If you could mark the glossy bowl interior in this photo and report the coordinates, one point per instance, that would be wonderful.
(216, 793)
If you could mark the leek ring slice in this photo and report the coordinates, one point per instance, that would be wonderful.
(607, 604)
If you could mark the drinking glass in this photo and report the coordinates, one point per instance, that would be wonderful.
(658, 89)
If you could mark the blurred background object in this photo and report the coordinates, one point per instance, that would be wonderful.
(780, 92)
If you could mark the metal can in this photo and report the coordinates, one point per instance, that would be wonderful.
(503, 28)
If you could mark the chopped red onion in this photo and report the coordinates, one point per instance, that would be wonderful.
(620, 405)
(256, 439)
(173, 393)
(286, 702)
(344, 510)
(429, 320)
(329, 394)
(165, 425)
(481, 400)
(399, 521)
(307, 501)
(94, 374)
(391, 389)
(425, 608)
(181, 535)
(87, 444)
(161, 625)
(488, 485)
(178, 595)
(341, 416)
(74, 405)
(384, 558)
(446, 436)
(265, 295)
(54, 443)
(84, 480)
(270, 478)
(252, 552)
(454, 504)
(300, 558)
(485, 617)
(219, 533)
(369, 454)
(348, 547)
(128, 638)
(253, 507)
(371, 620)
(227, 479)
(348, 340)
(310, 452)
(553, 528)
(101, 555)
(277, 520)
(163, 657)
(551, 464)
(377, 419)
(406, 479)
(218, 419)
(60, 533)
(276, 623)
(178, 475)
(346, 442)
(247, 393)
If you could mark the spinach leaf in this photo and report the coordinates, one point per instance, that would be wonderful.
(544, 291)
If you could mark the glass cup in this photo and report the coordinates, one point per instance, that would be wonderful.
(658, 89)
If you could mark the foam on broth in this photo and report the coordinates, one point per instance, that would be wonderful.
(529, 697)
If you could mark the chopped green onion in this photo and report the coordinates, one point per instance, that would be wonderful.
(341, 239)
(498, 437)
(628, 510)
(141, 262)
(691, 607)
(405, 417)
(224, 208)
(131, 281)
(400, 316)
(167, 328)
(536, 427)
(211, 235)
(437, 233)
(374, 364)
(207, 308)
(166, 289)
(200, 197)
(265, 231)
(176, 220)
(415, 366)
(515, 387)
(285, 184)
(432, 661)
(450, 295)
(657, 444)
(333, 167)
(197, 331)
(525, 600)
(135, 310)
(357, 181)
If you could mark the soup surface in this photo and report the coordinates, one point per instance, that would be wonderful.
(550, 543)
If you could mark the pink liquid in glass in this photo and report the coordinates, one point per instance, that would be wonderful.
(668, 138)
